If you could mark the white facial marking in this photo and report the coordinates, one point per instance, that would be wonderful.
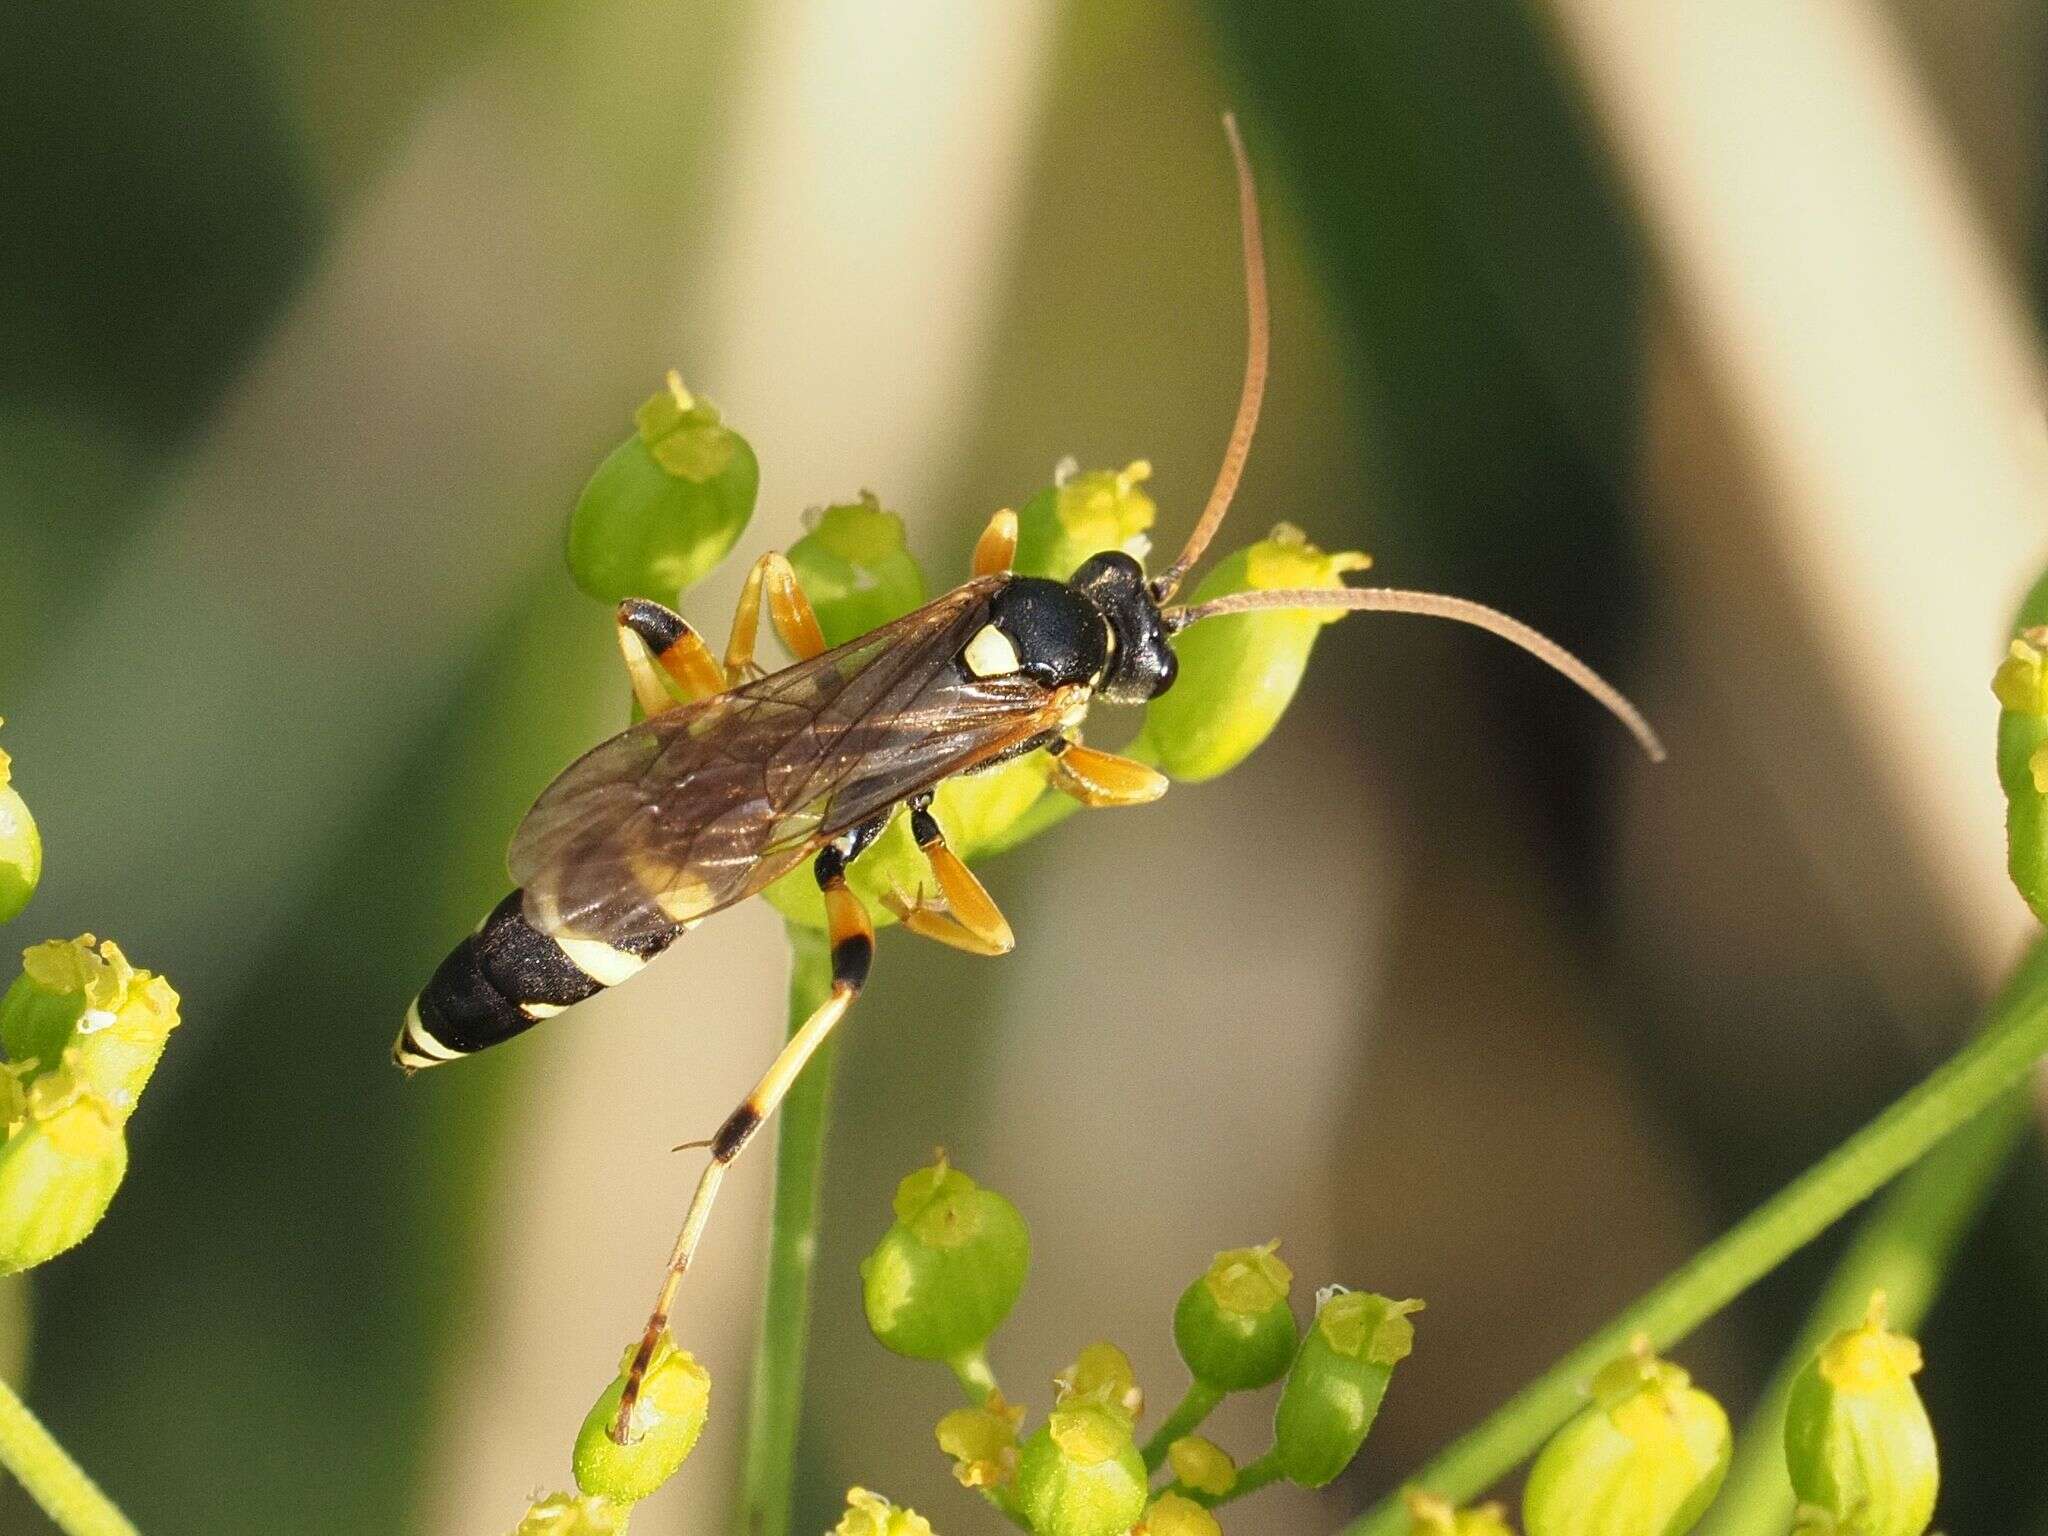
(990, 653)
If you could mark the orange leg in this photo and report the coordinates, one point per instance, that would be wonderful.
(853, 947)
(997, 546)
(668, 661)
(788, 610)
(969, 918)
(1102, 778)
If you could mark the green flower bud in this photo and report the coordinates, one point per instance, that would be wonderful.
(1239, 673)
(1079, 515)
(1233, 1326)
(674, 1401)
(566, 1514)
(1429, 1515)
(946, 1274)
(666, 505)
(1202, 1465)
(1645, 1458)
(2021, 686)
(856, 568)
(982, 1442)
(1172, 1514)
(21, 847)
(1102, 1374)
(61, 1161)
(1857, 1440)
(1338, 1378)
(88, 1007)
(1081, 1474)
(869, 1514)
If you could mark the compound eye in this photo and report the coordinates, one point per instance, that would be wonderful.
(990, 653)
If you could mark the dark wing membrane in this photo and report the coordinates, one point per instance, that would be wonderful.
(705, 805)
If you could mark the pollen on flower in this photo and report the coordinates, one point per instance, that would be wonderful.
(982, 1442)
(1870, 1358)
(869, 1514)
(1102, 1374)
(1249, 1280)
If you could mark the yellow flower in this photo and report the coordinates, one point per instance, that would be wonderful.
(869, 1514)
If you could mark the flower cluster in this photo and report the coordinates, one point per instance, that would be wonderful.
(1647, 1455)
(81, 1031)
(941, 1281)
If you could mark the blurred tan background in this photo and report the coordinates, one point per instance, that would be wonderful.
(1702, 336)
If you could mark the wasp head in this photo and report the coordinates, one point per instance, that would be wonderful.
(1141, 665)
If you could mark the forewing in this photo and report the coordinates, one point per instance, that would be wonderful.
(705, 805)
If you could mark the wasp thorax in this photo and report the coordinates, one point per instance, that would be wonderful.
(1058, 635)
(1141, 664)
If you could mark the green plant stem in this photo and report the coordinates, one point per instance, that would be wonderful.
(58, 1484)
(1903, 1248)
(1250, 1479)
(975, 1376)
(1974, 1078)
(1199, 1403)
(776, 1405)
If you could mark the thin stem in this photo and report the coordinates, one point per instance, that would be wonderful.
(1903, 1249)
(1252, 1478)
(977, 1379)
(776, 1404)
(1196, 1406)
(1970, 1082)
(58, 1484)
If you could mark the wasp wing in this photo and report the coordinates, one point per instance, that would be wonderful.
(706, 804)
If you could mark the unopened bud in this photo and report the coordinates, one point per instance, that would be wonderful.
(869, 1514)
(946, 1274)
(1857, 1438)
(568, 1514)
(1233, 1326)
(1645, 1458)
(1081, 515)
(666, 505)
(21, 847)
(1337, 1381)
(1173, 1514)
(2021, 686)
(1081, 1474)
(669, 1414)
(856, 568)
(1238, 673)
(1202, 1465)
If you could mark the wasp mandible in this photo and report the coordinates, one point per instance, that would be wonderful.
(712, 797)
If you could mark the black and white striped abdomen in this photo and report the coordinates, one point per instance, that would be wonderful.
(506, 977)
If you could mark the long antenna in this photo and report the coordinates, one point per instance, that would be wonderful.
(1436, 606)
(1257, 349)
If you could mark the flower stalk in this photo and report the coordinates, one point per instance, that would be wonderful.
(1972, 1080)
(60, 1487)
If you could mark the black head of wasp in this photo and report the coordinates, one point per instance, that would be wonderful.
(715, 795)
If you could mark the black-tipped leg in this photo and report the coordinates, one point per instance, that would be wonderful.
(667, 660)
(853, 948)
